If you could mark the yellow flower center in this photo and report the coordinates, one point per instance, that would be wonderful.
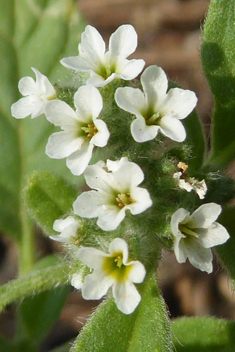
(123, 199)
(90, 130)
(113, 266)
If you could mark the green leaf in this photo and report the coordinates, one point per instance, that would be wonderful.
(31, 329)
(147, 329)
(218, 59)
(227, 250)
(196, 139)
(39, 281)
(204, 335)
(48, 197)
(36, 33)
(38, 314)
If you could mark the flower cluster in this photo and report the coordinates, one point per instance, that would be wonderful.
(117, 197)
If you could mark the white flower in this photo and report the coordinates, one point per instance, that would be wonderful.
(191, 183)
(115, 192)
(154, 108)
(195, 234)
(114, 270)
(81, 128)
(68, 228)
(106, 66)
(37, 94)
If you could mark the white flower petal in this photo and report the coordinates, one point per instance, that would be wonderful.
(115, 165)
(215, 235)
(100, 139)
(185, 185)
(60, 224)
(78, 161)
(178, 217)
(201, 258)
(68, 228)
(141, 132)
(122, 43)
(172, 128)
(110, 217)
(119, 245)
(61, 114)
(27, 86)
(43, 84)
(131, 100)
(96, 285)
(92, 257)
(181, 252)
(129, 175)
(129, 69)
(141, 201)
(62, 144)
(179, 103)
(88, 102)
(98, 81)
(24, 107)
(88, 204)
(155, 83)
(205, 215)
(76, 63)
(137, 273)
(92, 46)
(126, 297)
(97, 178)
(76, 281)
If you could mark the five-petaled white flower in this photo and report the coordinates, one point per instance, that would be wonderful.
(37, 94)
(154, 108)
(106, 66)
(114, 270)
(81, 128)
(68, 230)
(116, 191)
(195, 234)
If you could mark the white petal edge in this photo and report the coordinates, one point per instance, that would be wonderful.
(126, 297)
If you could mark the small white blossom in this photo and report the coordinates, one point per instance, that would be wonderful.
(195, 234)
(106, 66)
(68, 229)
(114, 191)
(82, 130)
(154, 108)
(111, 270)
(36, 95)
(191, 184)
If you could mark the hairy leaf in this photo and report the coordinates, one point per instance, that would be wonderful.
(147, 329)
(218, 58)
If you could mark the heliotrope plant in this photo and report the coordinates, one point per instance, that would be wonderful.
(133, 141)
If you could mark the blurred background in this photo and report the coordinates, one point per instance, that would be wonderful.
(168, 36)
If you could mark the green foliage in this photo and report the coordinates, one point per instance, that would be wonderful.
(48, 197)
(33, 328)
(38, 281)
(147, 329)
(25, 42)
(204, 335)
(227, 250)
(218, 59)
